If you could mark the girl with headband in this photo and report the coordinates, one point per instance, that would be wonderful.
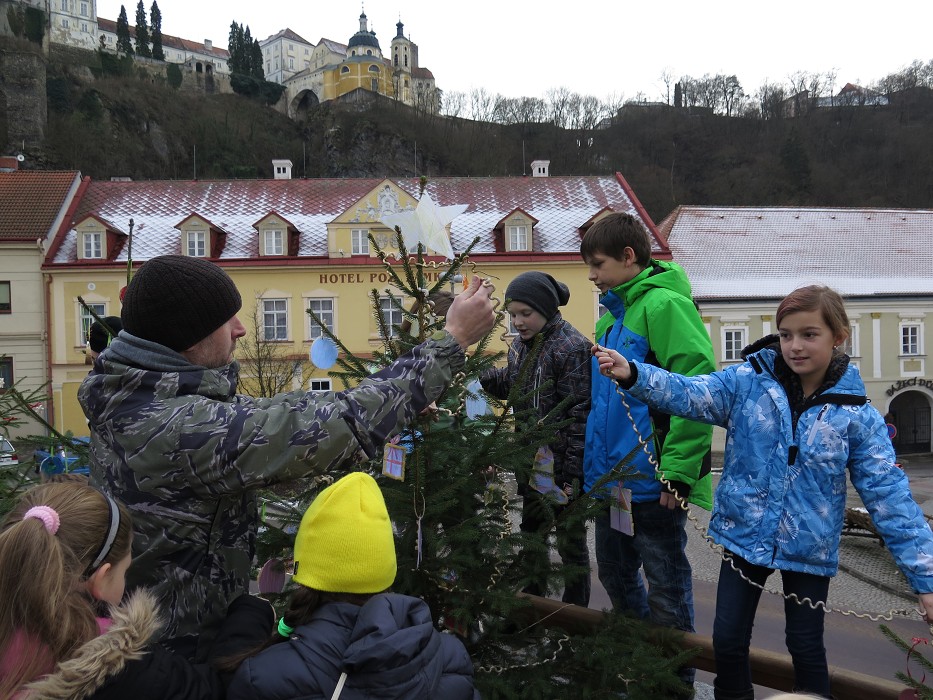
(65, 631)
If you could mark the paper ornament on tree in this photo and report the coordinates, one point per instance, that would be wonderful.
(323, 352)
(426, 224)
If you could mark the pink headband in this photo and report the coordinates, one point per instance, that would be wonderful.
(47, 515)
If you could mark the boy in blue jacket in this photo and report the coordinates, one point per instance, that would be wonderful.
(650, 317)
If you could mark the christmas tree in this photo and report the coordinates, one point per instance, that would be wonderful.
(449, 484)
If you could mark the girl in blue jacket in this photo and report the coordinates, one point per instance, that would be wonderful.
(797, 422)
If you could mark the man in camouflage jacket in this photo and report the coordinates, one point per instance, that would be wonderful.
(172, 440)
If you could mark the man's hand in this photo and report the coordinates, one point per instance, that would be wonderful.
(472, 315)
(611, 363)
(669, 501)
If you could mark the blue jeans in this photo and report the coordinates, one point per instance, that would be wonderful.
(736, 603)
(659, 547)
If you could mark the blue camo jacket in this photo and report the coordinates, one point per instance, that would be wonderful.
(781, 500)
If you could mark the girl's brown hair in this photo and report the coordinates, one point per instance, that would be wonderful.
(45, 603)
(817, 298)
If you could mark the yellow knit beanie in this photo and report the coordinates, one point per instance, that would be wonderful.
(345, 543)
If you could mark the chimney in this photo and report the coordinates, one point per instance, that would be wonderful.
(539, 168)
(10, 163)
(282, 169)
(208, 45)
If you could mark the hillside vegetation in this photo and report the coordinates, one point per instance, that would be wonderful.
(842, 156)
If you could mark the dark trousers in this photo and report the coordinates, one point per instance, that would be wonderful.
(539, 515)
(736, 604)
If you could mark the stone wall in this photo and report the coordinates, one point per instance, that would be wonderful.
(22, 84)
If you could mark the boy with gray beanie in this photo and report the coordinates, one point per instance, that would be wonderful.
(561, 374)
(172, 440)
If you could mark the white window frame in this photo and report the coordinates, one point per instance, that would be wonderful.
(394, 318)
(852, 346)
(85, 319)
(84, 9)
(518, 237)
(275, 319)
(329, 316)
(914, 346)
(359, 241)
(732, 350)
(273, 241)
(93, 245)
(196, 244)
(316, 386)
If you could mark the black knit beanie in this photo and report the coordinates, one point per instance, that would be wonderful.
(97, 338)
(176, 300)
(540, 291)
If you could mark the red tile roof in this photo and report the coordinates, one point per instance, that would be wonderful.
(562, 205)
(31, 200)
(168, 41)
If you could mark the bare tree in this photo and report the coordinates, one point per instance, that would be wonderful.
(266, 366)
(453, 103)
(732, 95)
(771, 97)
(667, 77)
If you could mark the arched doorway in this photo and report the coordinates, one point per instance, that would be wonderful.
(303, 102)
(910, 413)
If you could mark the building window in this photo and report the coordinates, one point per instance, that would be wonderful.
(374, 84)
(518, 238)
(64, 23)
(391, 314)
(64, 5)
(85, 320)
(315, 385)
(324, 308)
(84, 27)
(374, 69)
(359, 241)
(851, 346)
(275, 319)
(910, 339)
(197, 244)
(84, 9)
(6, 301)
(346, 69)
(6, 373)
(273, 242)
(92, 245)
(291, 63)
(733, 340)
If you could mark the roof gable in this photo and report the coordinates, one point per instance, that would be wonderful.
(31, 202)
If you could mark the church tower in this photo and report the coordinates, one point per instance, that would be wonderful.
(404, 59)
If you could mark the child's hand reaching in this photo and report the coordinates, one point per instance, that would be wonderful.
(612, 364)
(926, 607)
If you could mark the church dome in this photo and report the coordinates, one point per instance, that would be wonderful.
(364, 37)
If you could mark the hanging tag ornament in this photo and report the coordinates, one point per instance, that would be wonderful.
(323, 352)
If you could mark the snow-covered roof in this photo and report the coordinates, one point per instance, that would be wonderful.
(562, 205)
(766, 252)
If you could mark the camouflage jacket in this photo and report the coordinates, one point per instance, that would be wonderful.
(184, 452)
(562, 371)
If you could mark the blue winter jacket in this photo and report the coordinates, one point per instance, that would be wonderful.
(651, 315)
(781, 500)
(388, 648)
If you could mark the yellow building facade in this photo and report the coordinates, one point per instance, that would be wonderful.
(309, 247)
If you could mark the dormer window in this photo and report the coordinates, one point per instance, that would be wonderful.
(518, 237)
(359, 241)
(197, 244)
(273, 242)
(93, 244)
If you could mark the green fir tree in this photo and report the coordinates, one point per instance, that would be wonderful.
(155, 24)
(124, 44)
(456, 513)
(142, 32)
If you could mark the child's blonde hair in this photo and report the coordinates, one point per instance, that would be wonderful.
(43, 563)
(817, 298)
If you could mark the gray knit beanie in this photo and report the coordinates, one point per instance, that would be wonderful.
(540, 291)
(176, 300)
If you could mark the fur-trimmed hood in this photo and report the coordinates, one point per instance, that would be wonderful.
(134, 625)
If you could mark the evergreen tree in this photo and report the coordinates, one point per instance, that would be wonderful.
(155, 23)
(124, 44)
(235, 46)
(455, 514)
(255, 61)
(142, 32)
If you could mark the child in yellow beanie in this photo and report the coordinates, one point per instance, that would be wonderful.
(343, 635)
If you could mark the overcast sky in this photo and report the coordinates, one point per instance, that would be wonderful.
(593, 47)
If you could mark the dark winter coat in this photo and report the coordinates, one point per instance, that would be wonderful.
(388, 648)
(184, 452)
(124, 663)
(563, 369)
